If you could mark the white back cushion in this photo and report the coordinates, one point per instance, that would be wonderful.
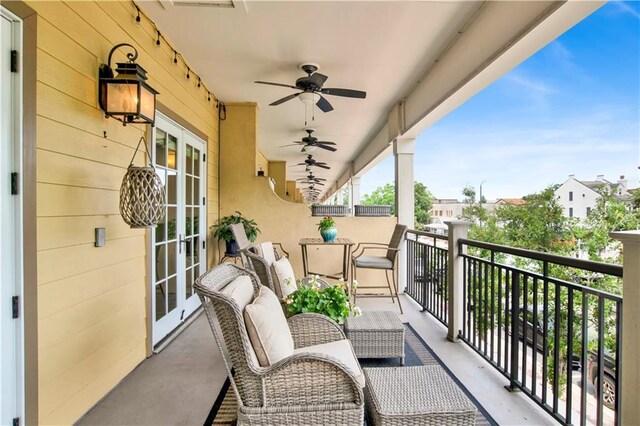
(283, 278)
(266, 251)
(240, 290)
(268, 329)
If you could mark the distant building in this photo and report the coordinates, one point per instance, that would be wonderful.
(451, 208)
(510, 202)
(579, 197)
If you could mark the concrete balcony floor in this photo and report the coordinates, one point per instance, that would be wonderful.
(179, 385)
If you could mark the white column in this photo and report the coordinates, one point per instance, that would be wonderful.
(403, 150)
(455, 277)
(630, 402)
(355, 191)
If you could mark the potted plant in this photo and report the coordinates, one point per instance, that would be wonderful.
(222, 231)
(332, 301)
(327, 228)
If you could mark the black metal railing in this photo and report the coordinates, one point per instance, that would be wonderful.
(427, 260)
(541, 321)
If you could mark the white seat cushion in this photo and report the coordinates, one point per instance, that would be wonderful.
(240, 290)
(340, 349)
(283, 278)
(268, 329)
(376, 262)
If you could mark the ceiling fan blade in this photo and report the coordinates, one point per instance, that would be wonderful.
(318, 79)
(326, 142)
(324, 104)
(276, 84)
(347, 93)
(284, 146)
(328, 148)
(323, 166)
(285, 99)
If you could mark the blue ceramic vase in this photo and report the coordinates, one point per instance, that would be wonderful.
(329, 234)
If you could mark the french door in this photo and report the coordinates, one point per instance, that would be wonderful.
(178, 254)
(11, 330)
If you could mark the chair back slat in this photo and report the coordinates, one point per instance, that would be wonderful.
(396, 240)
(239, 234)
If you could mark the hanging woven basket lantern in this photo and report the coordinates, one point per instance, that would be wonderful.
(142, 195)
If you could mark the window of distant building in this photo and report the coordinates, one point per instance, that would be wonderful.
(570, 195)
(588, 210)
(570, 211)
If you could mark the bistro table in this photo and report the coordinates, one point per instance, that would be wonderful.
(346, 243)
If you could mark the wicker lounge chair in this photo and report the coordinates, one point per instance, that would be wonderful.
(304, 388)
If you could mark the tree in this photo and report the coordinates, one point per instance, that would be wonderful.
(382, 196)
(386, 195)
(469, 193)
(423, 204)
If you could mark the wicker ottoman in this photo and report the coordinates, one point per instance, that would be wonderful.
(377, 334)
(423, 395)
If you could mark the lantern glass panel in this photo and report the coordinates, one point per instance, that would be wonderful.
(147, 103)
(122, 98)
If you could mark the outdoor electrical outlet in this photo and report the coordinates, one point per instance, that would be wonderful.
(100, 237)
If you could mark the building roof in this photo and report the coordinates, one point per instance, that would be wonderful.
(511, 201)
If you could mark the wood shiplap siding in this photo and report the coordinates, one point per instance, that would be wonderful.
(92, 301)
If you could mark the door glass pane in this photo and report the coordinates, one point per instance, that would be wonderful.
(160, 231)
(161, 262)
(172, 258)
(172, 191)
(161, 305)
(189, 253)
(172, 153)
(161, 147)
(189, 220)
(189, 159)
(196, 191)
(196, 221)
(172, 294)
(196, 252)
(189, 190)
(196, 162)
(171, 223)
(189, 281)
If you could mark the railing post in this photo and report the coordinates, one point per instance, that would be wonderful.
(515, 331)
(630, 389)
(455, 274)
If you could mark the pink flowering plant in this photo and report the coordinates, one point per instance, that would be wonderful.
(332, 301)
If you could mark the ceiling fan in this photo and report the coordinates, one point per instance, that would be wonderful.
(310, 176)
(310, 143)
(312, 90)
(310, 162)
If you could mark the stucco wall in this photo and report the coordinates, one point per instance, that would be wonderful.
(92, 302)
(279, 220)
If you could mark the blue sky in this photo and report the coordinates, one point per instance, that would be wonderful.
(571, 108)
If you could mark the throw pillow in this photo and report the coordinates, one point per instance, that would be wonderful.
(268, 329)
(283, 278)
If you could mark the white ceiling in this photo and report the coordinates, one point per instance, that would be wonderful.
(381, 47)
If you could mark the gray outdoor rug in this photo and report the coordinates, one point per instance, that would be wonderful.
(416, 350)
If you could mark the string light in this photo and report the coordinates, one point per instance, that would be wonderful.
(138, 18)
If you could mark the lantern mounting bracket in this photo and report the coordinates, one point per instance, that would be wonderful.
(105, 69)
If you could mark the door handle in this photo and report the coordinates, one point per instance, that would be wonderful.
(181, 241)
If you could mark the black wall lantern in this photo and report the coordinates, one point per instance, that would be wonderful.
(127, 97)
